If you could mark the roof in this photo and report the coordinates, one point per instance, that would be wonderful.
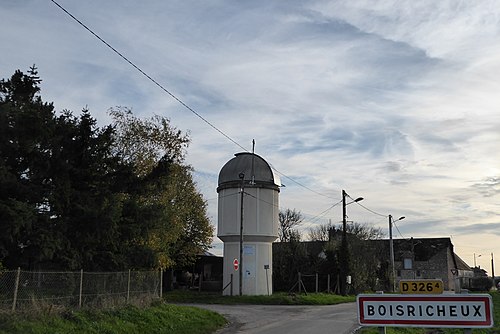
(254, 170)
(423, 248)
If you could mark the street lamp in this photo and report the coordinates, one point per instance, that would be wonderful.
(344, 250)
(391, 247)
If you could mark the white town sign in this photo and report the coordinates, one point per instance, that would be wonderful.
(452, 310)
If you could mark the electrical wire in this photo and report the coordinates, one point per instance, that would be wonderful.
(396, 226)
(318, 216)
(121, 55)
(148, 76)
(370, 210)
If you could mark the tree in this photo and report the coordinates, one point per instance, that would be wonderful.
(144, 142)
(364, 256)
(74, 195)
(179, 228)
(26, 126)
(289, 220)
(321, 232)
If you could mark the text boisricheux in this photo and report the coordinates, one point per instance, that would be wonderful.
(444, 310)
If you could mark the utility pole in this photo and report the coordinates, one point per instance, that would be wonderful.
(242, 177)
(391, 247)
(492, 269)
(344, 262)
(344, 249)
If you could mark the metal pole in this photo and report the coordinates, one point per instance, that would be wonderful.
(492, 270)
(242, 177)
(231, 290)
(391, 247)
(344, 262)
(317, 283)
(267, 278)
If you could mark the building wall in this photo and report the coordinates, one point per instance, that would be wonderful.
(437, 267)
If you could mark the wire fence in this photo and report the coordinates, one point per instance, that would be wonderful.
(30, 289)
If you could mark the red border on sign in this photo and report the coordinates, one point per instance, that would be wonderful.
(427, 323)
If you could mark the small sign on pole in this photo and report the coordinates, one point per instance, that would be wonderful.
(455, 311)
(236, 264)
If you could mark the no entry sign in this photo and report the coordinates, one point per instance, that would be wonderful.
(459, 311)
(236, 264)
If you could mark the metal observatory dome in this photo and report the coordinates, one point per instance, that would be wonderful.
(248, 208)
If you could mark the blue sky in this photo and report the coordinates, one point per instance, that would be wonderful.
(394, 101)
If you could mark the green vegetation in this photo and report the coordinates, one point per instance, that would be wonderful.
(162, 318)
(76, 195)
(274, 299)
(495, 329)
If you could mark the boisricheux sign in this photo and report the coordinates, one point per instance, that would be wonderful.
(459, 311)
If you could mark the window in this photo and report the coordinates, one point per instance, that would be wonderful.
(407, 263)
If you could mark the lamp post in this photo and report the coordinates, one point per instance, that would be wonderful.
(479, 255)
(242, 177)
(344, 249)
(391, 247)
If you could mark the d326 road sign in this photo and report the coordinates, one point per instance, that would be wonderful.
(421, 286)
(459, 311)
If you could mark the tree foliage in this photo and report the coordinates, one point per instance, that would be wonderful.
(74, 195)
(289, 220)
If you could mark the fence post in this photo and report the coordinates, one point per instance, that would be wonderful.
(161, 283)
(328, 284)
(128, 286)
(200, 278)
(300, 283)
(16, 287)
(317, 283)
(81, 289)
(231, 285)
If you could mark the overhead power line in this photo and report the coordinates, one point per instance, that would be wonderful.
(147, 75)
(121, 55)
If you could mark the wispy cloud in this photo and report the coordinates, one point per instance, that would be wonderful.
(395, 101)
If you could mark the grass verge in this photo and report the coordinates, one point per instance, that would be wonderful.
(162, 318)
(179, 296)
(494, 330)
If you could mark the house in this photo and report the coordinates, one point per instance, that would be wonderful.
(431, 258)
(414, 258)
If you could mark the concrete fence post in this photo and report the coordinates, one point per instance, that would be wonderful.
(81, 289)
(128, 286)
(300, 283)
(161, 284)
(16, 288)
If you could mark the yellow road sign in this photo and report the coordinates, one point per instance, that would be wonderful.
(421, 286)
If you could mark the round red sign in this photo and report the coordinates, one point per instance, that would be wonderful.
(236, 264)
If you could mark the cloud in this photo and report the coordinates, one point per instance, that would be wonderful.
(395, 101)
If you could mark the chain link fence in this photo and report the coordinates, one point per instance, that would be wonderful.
(36, 289)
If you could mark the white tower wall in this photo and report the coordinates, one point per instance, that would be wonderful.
(260, 223)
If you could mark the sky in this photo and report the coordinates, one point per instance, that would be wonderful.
(392, 101)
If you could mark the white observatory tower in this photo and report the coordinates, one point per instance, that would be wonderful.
(248, 223)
